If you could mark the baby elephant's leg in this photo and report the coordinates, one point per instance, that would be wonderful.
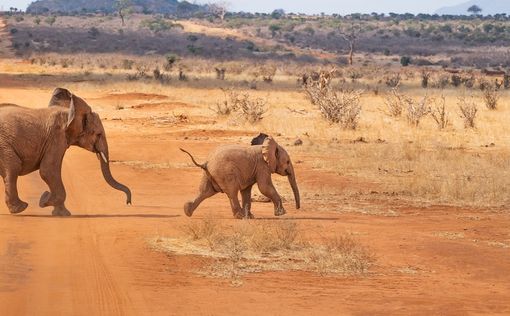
(206, 191)
(268, 189)
(246, 200)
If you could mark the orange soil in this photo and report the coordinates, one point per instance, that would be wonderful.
(98, 262)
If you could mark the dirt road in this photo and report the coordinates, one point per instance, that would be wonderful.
(430, 261)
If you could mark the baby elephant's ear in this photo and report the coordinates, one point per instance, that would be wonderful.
(61, 97)
(270, 153)
(259, 140)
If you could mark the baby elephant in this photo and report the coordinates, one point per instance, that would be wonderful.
(235, 168)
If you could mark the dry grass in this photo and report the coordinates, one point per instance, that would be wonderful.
(413, 172)
(450, 165)
(251, 246)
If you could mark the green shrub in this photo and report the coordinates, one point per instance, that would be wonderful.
(51, 20)
(405, 61)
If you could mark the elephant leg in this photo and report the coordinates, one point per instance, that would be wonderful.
(246, 199)
(12, 199)
(57, 195)
(268, 189)
(206, 191)
(238, 212)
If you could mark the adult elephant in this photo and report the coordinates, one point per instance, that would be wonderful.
(37, 139)
(233, 168)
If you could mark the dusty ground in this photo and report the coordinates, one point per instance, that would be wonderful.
(430, 260)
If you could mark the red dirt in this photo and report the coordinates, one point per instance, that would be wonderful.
(132, 96)
(99, 262)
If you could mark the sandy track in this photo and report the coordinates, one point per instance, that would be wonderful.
(99, 262)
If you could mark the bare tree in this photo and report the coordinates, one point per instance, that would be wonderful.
(219, 9)
(123, 8)
(351, 35)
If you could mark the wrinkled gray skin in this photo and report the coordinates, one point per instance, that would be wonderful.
(37, 139)
(232, 169)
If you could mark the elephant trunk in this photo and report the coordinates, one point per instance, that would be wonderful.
(293, 184)
(103, 156)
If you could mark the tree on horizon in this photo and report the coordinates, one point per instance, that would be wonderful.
(474, 9)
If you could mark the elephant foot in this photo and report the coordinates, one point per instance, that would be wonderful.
(187, 209)
(44, 200)
(243, 215)
(60, 211)
(279, 211)
(18, 207)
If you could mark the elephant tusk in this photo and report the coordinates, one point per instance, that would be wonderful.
(103, 156)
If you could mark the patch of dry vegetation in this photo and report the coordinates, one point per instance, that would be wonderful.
(254, 246)
(242, 104)
(426, 152)
(412, 172)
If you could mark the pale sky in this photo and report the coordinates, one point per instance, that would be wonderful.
(314, 6)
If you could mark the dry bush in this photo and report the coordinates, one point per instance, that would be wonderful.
(393, 81)
(314, 92)
(273, 237)
(354, 74)
(339, 107)
(340, 253)
(491, 96)
(267, 246)
(441, 81)
(425, 77)
(317, 84)
(208, 229)
(439, 113)
(267, 73)
(160, 76)
(468, 110)
(456, 80)
(141, 73)
(417, 109)
(395, 103)
(251, 109)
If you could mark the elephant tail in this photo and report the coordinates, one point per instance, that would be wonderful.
(203, 166)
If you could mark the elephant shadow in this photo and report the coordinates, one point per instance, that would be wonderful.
(299, 218)
(101, 216)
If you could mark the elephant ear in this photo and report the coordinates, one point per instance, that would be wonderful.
(259, 140)
(79, 110)
(270, 153)
(61, 97)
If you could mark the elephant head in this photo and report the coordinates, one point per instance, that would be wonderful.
(279, 162)
(85, 129)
